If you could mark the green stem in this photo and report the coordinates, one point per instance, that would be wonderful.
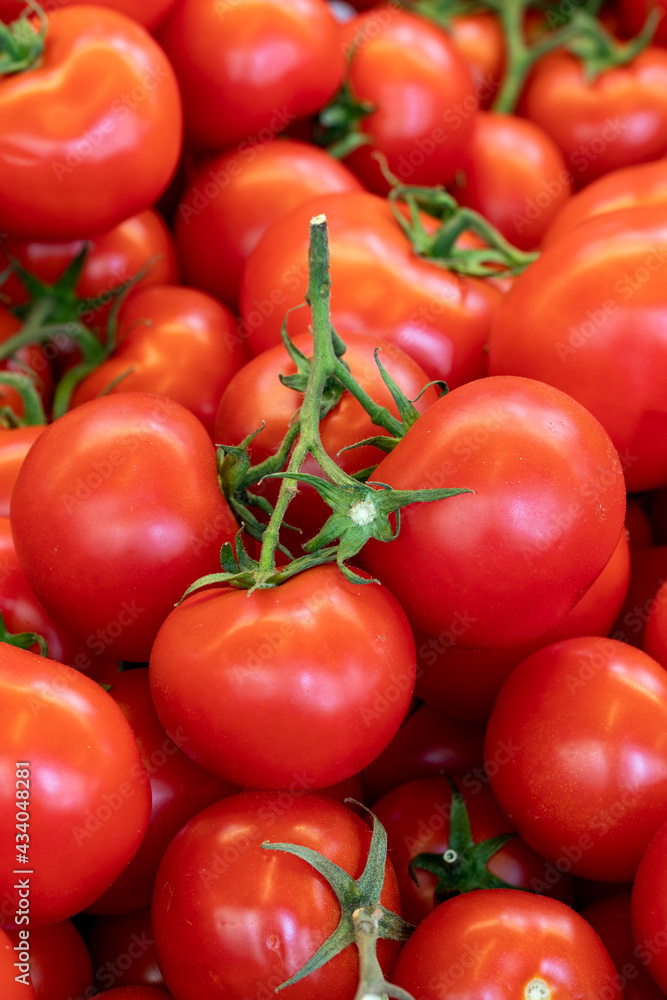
(379, 415)
(33, 409)
(372, 984)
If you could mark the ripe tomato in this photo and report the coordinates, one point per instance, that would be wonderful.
(545, 517)
(179, 790)
(15, 443)
(174, 342)
(588, 317)
(648, 908)
(586, 782)
(150, 13)
(515, 176)
(123, 951)
(232, 920)
(59, 961)
(648, 571)
(480, 40)
(83, 780)
(655, 634)
(31, 359)
(617, 120)
(610, 918)
(635, 12)
(250, 67)
(379, 286)
(72, 167)
(502, 942)
(115, 512)
(254, 679)
(13, 989)
(422, 93)
(234, 198)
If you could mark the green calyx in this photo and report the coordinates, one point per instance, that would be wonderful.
(363, 919)
(23, 640)
(33, 408)
(463, 866)
(21, 46)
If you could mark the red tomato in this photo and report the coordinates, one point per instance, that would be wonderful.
(423, 96)
(588, 317)
(416, 817)
(137, 993)
(232, 920)
(502, 942)
(174, 342)
(616, 121)
(150, 13)
(13, 989)
(77, 159)
(586, 780)
(638, 526)
(15, 443)
(466, 682)
(655, 634)
(379, 286)
(544, 519)
(251, 67)
(648, 908)
(635, 12)
(115, 512)
(123, 951)
(59, 961)
(515, 176)
(648, 571)
(480, 40)
(643, 186)
(272, 670)
(84, 782)
(31, 360)
(179, 790)
(233, 199)
(255, 395)
(610, 918)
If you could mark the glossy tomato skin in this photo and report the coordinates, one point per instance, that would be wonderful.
(237, 673)
(409, 64)
(15, 443)
(175, 342)
(234, 198)
(617, 120)
(59, 961)
(648, 908)
(11, 988)
(179, 790)
(76, 741)
(480, 40)
(515, 176)
(586, 782)
(247, 69)
(89, 156)
(644, 185)
(543, 520)
(494, 942)
(127, 934)
(416, 816)
(150, 13)
(256, 916)
(115, 512)
(610, 918)
(587, 317)
(379, 286)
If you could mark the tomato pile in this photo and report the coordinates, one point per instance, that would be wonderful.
(333, 478)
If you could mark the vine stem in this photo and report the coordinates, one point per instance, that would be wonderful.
(372, 984)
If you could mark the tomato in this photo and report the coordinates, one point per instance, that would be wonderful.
(642, 186)
(544, 519)
(255, 396)
(179, 789)
(137, 993)
(648, 908)
(250, 67)
(12, 989)
(617, 120)
(271, 670)
(232, 200)
(638, 526)
(515, 176)
(174, 342)
(15, 443)
(610, 918)
(480, 40)
(232, 920)
(422, 93)
(115, 512)
(635, 12)
(427, 744)
(123, 951)
(59, 961)
(84, 782)
(416, 816)
(31, 360)
(587, 317)
(465, 682)
(502, 942)
(648, 571)
(150, 13)
(76, 160)
(655, 634)
(586, 778)
(379, 286)
(113, 258)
